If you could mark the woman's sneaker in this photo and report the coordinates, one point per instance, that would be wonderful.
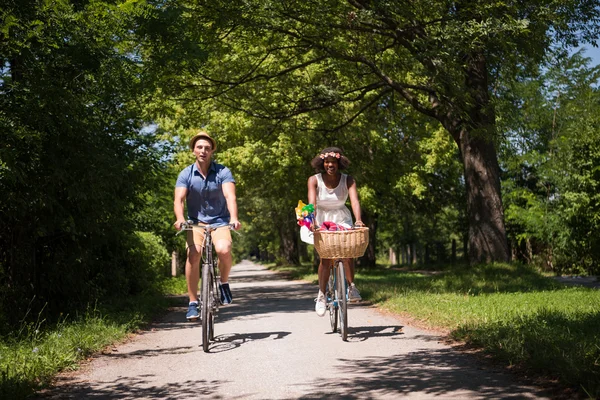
(353, 293)
(320, 306)
(192, 313)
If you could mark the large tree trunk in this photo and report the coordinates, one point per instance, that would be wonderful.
(288, 239)
(369, 259)
(474, 134)
(487, 234)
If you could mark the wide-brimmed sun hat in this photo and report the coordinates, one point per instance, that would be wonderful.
(203, 135)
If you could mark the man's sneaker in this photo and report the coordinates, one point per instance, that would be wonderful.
(320, 305)
(226, 297)
(192, 313)
(353, 293)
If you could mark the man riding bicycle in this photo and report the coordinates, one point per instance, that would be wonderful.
(208, 189)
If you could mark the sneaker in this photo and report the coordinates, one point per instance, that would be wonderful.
(320, 306)
(226, 297)
(353, 293)
(192, 313)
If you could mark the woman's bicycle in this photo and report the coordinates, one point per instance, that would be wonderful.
(209, 289)
(338, 245)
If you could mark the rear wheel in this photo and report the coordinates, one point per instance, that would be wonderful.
(206, 311)
(340, 289)
(331, 304)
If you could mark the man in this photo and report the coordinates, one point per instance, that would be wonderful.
(209, 190)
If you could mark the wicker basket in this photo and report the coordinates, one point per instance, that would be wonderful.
(342, 244)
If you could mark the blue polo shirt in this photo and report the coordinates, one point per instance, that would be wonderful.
(205, 199)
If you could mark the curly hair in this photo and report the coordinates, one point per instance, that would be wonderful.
(318, 162)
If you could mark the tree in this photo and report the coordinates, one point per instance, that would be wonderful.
(75, 163)
(552, 162)
(277, 60)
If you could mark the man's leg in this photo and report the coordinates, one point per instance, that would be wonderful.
(222, 243)
(192, 271)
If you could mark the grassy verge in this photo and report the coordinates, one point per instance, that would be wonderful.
(32, 355)
(511, 311)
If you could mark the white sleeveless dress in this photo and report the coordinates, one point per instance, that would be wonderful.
(331, 203)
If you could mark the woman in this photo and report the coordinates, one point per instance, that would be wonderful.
(328, 191)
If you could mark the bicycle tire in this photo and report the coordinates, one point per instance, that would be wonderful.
(206, 313)
(341, 299)
(214, 295)
(331, 304)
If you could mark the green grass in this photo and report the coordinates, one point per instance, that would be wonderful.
(32, 355)
(513, 312)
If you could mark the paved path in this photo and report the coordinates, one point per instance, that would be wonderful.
(272, 345)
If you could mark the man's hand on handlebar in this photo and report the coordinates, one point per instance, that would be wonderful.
(235, 224)
(179, 224)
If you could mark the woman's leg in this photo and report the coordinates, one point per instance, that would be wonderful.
(324, 267)
(349, 269)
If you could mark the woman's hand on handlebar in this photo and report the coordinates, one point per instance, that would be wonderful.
(359, 224)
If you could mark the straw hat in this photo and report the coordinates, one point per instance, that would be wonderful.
(203, 135)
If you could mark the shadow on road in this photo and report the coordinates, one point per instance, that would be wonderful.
(435, 373)
(139, 388)
(233, 341)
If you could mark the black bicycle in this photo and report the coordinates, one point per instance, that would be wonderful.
(209, 289)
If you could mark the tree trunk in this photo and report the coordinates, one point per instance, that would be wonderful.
(487, 233)
(474, 134)
(288, 239)
(369, 258)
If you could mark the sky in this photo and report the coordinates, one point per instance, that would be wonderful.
(593, 53)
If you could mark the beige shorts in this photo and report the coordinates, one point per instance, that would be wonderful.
(196, 237)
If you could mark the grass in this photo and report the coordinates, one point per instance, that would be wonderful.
(512, 312)
(31, 356)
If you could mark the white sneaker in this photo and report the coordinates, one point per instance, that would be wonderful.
(320, 306)
(353, 293)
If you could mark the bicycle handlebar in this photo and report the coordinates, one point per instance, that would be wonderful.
(189, 225)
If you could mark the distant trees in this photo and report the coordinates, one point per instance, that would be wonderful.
(552, 164)
(74, 161)
(335, 60)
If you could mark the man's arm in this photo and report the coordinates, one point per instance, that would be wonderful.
(231, 199)
(178, 205)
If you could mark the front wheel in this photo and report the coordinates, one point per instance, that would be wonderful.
(340, 294)
(331, 303)
(206, 311)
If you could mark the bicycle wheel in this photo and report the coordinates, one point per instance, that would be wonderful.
(331, 304)
(340, 294)
(206, 311)
(214, 295)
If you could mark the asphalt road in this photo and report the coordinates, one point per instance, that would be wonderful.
(272, 345)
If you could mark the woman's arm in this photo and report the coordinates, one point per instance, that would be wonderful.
(354, 203)
(312, 193)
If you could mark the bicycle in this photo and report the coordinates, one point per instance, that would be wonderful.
(338, 245)
(209, 289)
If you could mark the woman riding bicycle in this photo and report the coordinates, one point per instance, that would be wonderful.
(328, 190)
